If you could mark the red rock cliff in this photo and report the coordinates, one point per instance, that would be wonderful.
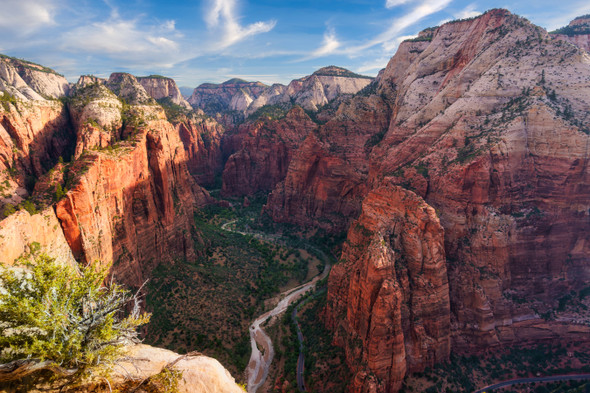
(388, 296)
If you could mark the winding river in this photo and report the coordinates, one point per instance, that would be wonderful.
(262, 348)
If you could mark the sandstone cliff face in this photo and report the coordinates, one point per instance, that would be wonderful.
(33, 135)
(388, 297)
(500, 152)
(130, 197)
(132, 203)
(265, 153)
(159, 87)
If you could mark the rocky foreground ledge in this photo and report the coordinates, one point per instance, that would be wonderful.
(200, 374)
(147, 369)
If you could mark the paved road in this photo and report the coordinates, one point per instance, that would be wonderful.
(301, 359)
(260, 361)
(552, 378)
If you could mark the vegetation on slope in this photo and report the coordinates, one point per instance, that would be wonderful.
(207, 304)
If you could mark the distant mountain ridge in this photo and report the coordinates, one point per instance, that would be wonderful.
(309, 92)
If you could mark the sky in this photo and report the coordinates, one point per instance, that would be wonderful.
(272, 41)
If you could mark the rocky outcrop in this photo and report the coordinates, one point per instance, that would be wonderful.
(388, 297)
(577, 33)
(232, 95)
(265, 153)
(85, 80)
(127, 87)
(313, 91)
(159, 88)
(30, 81)
(199, 373)
(96, 114)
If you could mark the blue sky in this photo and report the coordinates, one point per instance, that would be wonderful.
(195, 41)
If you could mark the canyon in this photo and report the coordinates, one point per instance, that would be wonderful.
(459, 177)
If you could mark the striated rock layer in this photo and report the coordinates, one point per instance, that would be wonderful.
(202, 139)
(388, 297)
(327, 177)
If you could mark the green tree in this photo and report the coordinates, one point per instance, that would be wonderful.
(56, 321)
(59, 193)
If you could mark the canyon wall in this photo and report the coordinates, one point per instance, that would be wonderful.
(264, 153)
(126, 197)
(487, 122)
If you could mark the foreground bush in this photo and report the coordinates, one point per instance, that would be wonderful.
(56, 321)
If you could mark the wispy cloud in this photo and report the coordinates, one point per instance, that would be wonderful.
(221, 17)
(388, 39)
(395, 3)
(398, 25)
(468, 12)
(22, 17)
(329, 46)
(126, 39)
(560, 20)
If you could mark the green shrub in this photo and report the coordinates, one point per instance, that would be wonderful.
(9, 209)
(61, 322)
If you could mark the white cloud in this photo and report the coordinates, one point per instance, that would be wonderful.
(395, 3)
(389, 39)
(23, 17)
(221, 18)
(468, 12)
(127, 40)
(329, 45)
(169, 25)
(427, 7)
